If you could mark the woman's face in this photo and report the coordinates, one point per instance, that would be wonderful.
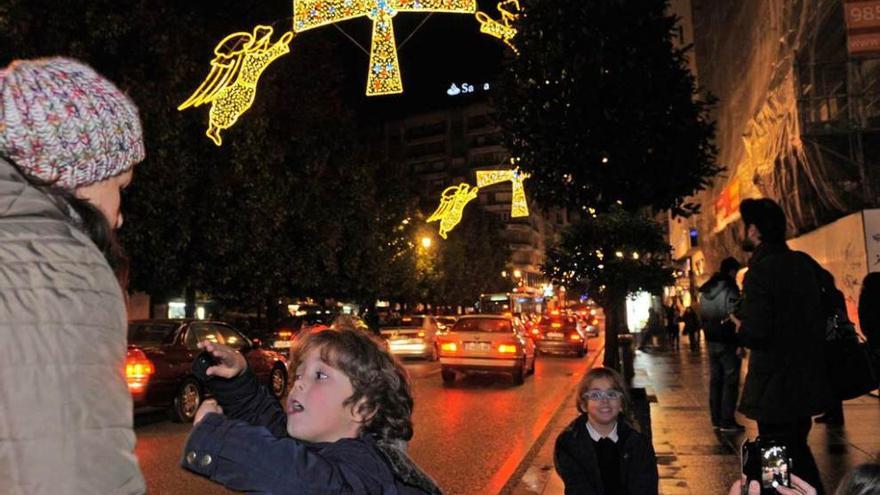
(105, 196)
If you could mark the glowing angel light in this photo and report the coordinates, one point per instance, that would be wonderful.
(452, 203)
(384, 71)
(502, 29)
(231, 85)
(518, 205)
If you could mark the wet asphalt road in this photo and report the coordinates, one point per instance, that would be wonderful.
(470, 436)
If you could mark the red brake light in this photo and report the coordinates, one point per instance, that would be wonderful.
(507, 349)
(449, 347)
(285, 334)
(535, 331)
(556, 325)
(421, 334)
(575, 336)
(138, 370)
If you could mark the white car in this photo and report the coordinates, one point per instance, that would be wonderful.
(412, 336)
(493, 343)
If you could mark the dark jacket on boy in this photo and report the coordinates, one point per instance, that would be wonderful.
(248, 449)
(577, 462)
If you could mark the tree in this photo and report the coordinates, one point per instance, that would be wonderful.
(610, 256)
(601, 109)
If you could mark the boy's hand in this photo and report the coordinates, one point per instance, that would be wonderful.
(230, 363)
(206, 407)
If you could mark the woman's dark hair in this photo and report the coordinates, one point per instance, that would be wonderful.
(863, 480)
(380, 382)
(87, 218)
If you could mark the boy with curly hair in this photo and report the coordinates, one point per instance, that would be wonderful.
(347, 413)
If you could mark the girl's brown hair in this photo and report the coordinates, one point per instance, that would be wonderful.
(863, 480)
(617, 383)
(380, 382)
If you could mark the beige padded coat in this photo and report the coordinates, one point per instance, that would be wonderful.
(65, 409)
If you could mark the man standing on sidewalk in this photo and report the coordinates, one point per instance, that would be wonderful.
(719, 298)
(782, 323)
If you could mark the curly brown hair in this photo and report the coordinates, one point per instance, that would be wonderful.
(380, 382)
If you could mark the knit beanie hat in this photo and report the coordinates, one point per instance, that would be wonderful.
(63, 123)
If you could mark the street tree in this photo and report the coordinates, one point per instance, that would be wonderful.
(601, 108)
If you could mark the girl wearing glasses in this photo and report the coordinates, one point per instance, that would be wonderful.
(599, 453)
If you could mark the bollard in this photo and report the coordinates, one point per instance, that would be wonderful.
(625, 345)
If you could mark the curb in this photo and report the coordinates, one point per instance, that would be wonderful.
(524, 463)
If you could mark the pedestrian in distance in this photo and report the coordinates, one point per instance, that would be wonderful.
(781, 321)
(719, 298)
(600, 453)
(863, 480)
(347, 414)
(68, 141)
(672, 318)
(836, 306)
(692, 328)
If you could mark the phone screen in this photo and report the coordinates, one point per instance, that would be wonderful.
(774, 467)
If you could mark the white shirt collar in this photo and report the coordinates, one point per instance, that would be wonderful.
(596, 436)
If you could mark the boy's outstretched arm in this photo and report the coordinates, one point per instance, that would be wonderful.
(250, 458)
(244, 398)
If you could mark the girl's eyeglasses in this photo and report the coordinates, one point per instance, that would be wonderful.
(598, 395)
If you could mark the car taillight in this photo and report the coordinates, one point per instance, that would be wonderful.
(575, 337)
(138, 370)
(507, 349)
(556, 325)
(535, 331)
(595, 321)
(449, 347)
(421, 334)
(285, 334)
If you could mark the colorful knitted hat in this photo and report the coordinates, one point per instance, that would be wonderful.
(60, 121)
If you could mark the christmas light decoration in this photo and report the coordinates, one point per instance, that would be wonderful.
(518, 205)
(231, 85)
(502, 29)
(452, 203)
(455, 198)
(384, 71)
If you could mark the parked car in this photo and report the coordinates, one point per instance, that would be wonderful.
(158, 365)
(560, 334)
(411, 336)
(493, 343)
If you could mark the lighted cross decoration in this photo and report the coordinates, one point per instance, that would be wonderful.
(384, 71)
(455, 198)
(518, 205)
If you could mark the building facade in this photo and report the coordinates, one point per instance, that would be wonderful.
(798, 118)
(445, 148)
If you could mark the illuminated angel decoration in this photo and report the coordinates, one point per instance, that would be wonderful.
(452, 203)
(502, 29)
(231, 85)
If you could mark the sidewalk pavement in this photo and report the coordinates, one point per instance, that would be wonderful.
(694, 459)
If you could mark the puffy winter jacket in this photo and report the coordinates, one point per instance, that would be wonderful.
(65, 409)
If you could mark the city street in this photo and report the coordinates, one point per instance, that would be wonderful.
(471, 437)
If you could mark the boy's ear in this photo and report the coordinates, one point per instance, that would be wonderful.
(361, 413)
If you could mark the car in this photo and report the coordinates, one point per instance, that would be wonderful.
(158, 364)
(281, 338)
(411, 336)
(560, 334)
(487, 343)
(445, 322)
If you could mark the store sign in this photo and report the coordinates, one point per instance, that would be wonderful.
(465, 88)
(727, 206)
(862, 27)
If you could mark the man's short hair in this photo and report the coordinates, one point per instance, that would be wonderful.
(730, 264)
(766, 216)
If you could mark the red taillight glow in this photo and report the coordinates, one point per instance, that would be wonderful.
(138, 370)
(284, 334)
(449, 347)
(507, 349)
(575, 336)
(535, 331)
(421, 334)
(595, 321)
(556, 325)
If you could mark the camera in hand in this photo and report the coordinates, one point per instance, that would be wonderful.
(767, 461)
(201, 364)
